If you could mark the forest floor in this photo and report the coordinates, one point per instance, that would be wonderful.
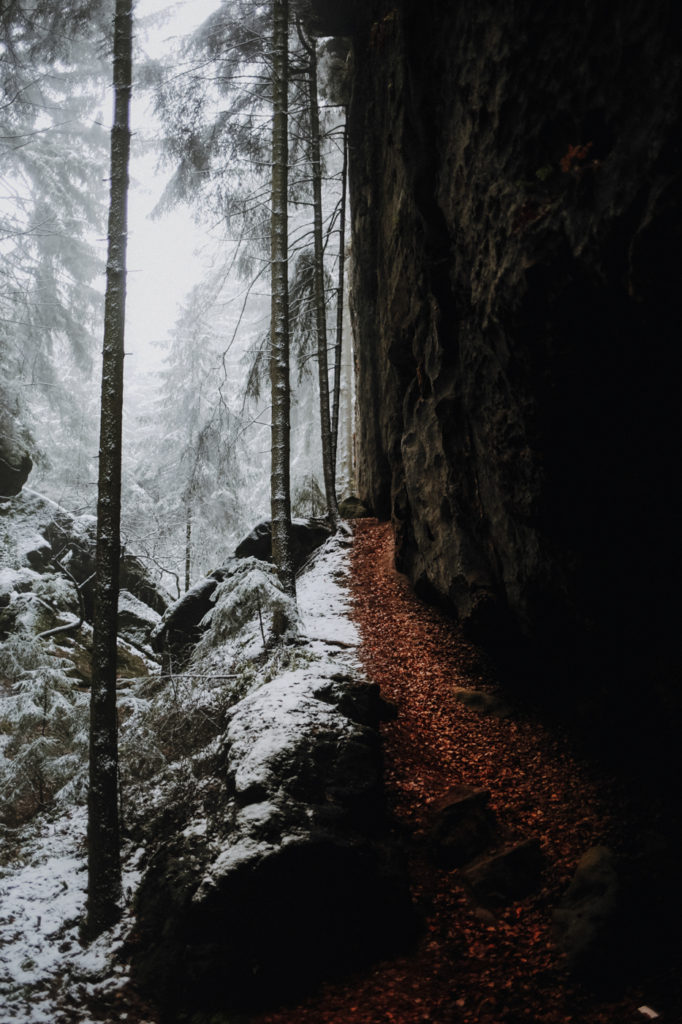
(471, 965)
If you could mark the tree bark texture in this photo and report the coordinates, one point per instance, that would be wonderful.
(188, 547)
(339, 303)
(104, 867)
(279, 325)
(348, 405)
(320, 304)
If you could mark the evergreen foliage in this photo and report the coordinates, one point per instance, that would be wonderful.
(203, 474)
(43, 730)
(52, 159)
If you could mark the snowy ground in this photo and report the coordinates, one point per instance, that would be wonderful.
(46, 976)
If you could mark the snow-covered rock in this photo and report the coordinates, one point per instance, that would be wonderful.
(136, 620)
(39, 537)
(252, 781)
(31, 602)
(272, 868)
(187, 618)
(287, 878)
(306, 536)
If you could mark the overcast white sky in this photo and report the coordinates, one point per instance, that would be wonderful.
(163, 260)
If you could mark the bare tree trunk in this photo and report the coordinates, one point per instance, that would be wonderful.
(280, 494)
(320, 303)
(339, 303)
(188, 546)
(348, 409)
(104, 863)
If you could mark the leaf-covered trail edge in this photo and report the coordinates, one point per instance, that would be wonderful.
(469, 966)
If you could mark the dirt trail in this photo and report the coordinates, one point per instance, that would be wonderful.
(470, 966)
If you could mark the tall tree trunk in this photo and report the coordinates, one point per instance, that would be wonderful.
(188, 546)
(280, 495)
(339, 303)
(320, 303)
(104, 863)
(348, 411)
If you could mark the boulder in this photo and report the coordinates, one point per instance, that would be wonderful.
(306, 536)
(510, 874)
(462, 826)
(31, 602)
(15, 461)
(585, 918)
(179, 625)
(40, 537)
(218, 606)
(352, 508)
(136, 620)
(482, 702)
(136, 579)
(286, 877)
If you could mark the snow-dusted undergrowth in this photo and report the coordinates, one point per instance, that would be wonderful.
(46, 976)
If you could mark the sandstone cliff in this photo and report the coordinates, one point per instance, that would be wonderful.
(517, 238)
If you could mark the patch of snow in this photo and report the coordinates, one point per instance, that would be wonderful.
(244, 851)
(130, 605)
(268, 725)
(324, 601)
(28, 515)
(46, 975)
(17, 581)
(197, 827)
(42, 895)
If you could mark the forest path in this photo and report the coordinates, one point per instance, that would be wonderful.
(470, 966)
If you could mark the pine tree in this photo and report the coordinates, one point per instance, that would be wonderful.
(279, 323)
(186, 416)
(104, 866)
(338, 347)
(51, 153)
(320, 303)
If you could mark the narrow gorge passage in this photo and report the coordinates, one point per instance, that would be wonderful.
(470, 965)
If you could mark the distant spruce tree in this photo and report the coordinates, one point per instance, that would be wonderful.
(52, 155)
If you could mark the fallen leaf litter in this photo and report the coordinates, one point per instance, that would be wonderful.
(469, 966)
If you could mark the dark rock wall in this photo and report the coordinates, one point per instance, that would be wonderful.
(15, 461)
(517, 244)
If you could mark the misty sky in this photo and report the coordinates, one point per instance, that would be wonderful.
(163, 262)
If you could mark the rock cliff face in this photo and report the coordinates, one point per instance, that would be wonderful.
(15, 462)
(517, 237)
